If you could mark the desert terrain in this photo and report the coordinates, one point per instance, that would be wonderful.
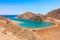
(9, 30)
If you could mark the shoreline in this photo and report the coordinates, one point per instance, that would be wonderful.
(15, 22)
(43, 28)
(18, 22)
(40, 28)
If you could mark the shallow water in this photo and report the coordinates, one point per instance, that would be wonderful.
(31, 24)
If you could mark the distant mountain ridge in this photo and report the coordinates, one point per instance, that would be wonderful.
(54, 14)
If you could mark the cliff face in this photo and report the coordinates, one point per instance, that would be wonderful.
(54, 14)
(31, 16)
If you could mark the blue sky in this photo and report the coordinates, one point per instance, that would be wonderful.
(16, 7)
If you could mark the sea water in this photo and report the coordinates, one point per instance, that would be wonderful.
(30, 23)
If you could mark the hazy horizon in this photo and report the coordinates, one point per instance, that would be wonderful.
(16, 7)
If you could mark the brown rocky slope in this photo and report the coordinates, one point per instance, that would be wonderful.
(54, 14)
(32, 16)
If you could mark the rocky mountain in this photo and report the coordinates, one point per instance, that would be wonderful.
(27, 15)
(32, 16)
(54, 14)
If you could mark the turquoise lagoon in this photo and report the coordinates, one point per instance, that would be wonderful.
(30, 23)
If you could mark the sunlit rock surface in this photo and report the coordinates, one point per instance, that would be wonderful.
(54, 14)
(32, 16)
(52, 33)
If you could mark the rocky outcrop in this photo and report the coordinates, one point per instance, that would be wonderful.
(31, 16)
(4, 19)
(27, 15)
(54, 14)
